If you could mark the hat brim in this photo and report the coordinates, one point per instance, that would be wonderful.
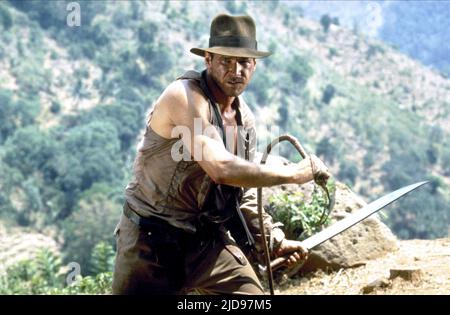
(231, 51)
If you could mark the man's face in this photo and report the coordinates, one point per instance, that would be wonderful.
(231, 74)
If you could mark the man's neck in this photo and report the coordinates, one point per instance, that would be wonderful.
(225, 102)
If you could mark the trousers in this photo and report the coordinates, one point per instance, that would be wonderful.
(166, 260)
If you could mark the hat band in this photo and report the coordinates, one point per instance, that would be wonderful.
(233, 41)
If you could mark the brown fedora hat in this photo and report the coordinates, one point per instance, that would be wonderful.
(232, 36)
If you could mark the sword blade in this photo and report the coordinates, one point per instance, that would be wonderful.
(348, 222)
(358, 216)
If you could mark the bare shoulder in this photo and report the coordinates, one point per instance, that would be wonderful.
(180, 102)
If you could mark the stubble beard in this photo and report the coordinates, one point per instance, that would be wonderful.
(230, 92)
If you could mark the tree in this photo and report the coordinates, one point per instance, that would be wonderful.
(31, 212)
(260, 86)
(328, 94)
(432, 153)
(125, 115)
(15, 114)
(93, 221)
(55, 108)
(325, 21)
(10, 179)
(147, 32)
(29, 150)
(101, 32)
(136, 11)
(348, 171)
(47, 14)
(300, 71)
(5, 17)
(32, 160)
(91, 155)
(327, 150)
(420, 215)
(158, 56)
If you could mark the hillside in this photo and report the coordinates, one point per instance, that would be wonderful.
(73, 103)
(416, 28)
(18, 244)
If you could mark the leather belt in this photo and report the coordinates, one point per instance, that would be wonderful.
(142, 221)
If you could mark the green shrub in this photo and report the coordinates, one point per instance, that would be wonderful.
(92, 222)
(33, 276)
(98, 284)
(300, 219)
(102, 258)
(45, 275)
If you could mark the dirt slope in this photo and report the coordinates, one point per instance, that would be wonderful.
(428, 261)
(18, 244)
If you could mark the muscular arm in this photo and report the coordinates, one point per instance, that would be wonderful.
(181, 104)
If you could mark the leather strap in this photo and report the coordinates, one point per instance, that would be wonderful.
(143, 221)
(203, 85)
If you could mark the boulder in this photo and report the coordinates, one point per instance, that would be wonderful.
(369, 239)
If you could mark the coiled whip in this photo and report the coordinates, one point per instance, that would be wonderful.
(318, 179)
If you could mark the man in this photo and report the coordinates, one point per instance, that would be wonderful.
(184, 217)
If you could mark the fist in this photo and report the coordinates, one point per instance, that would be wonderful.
(319, 170)
(297, 252)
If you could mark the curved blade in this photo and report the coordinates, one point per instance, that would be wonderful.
(358, 216)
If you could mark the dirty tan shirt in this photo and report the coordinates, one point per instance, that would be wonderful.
(175, 190)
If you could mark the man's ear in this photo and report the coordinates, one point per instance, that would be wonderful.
(254, 67)
(208, 59)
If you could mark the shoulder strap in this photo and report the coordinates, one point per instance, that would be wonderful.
(213, 104)
(190, 75)
(241, 231)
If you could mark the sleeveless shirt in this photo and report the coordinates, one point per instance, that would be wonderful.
(175, 191)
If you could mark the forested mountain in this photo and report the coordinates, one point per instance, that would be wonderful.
(417, 28)
(73, 101)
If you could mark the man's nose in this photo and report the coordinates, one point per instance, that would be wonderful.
(236, 67)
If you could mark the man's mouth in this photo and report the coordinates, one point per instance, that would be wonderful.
(236, 81)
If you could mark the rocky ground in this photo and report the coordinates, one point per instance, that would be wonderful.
(417, 267)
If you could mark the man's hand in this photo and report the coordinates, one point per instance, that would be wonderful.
(298, 252)
(319, 170)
